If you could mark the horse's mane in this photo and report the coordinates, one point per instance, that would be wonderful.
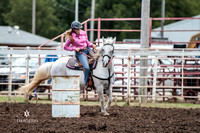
(96, 54)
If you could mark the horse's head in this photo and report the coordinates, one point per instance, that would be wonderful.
(108, 50)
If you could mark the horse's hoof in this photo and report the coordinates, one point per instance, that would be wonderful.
(106, 114)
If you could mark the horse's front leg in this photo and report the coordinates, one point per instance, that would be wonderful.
(109, 94)
(101, 99)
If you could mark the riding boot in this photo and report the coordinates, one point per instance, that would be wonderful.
(87, 88)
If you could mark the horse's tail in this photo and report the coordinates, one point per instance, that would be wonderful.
(42, 73)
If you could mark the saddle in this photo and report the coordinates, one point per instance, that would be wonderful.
(75, 64)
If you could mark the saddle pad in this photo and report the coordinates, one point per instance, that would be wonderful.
(73, 63)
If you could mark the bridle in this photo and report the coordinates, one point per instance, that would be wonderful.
(110, 60)
(106, 55)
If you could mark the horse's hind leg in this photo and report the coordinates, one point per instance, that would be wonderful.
(109, 94)
(101, 99)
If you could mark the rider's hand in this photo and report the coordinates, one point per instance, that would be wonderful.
(94, 46)
(78, 49)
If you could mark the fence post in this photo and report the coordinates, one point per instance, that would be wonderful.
(85, 27)
(150, 27)
(144, 44)
(10, 77)
(123, 79)
(27, 70)
(62, 41)
(154, 79)
(99, 28)
(182, 74)
(27, 65)
(129, 78)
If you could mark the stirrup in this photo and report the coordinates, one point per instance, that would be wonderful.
(88, 88)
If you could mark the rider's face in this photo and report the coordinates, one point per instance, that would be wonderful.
(77, 31)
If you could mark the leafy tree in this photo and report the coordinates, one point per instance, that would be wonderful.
(4, 8)
(119, 9)
(21, 14)
(174, 8)
(65, 12)
(132, 9)
(55, 16)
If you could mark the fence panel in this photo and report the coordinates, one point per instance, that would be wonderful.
(171, 73)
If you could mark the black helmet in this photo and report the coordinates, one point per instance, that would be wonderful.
(76, 25)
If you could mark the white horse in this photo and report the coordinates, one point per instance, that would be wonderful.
(103, 75)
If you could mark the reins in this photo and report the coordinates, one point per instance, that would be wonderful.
(111, 60)
(87, 55)
(110, 76)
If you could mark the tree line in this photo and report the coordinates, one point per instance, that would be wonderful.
(53, 17)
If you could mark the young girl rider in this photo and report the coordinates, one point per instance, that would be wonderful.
(77, 40)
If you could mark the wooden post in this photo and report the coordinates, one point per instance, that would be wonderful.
(27, 65)
(182, 78)
(135, 92)
(27, 71)
(123, 79)
(154, 79)
(129, 78)
(10, 78)
(144, 46)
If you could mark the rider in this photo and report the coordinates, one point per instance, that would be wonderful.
(77, 40)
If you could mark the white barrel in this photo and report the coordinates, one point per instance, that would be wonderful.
(65, 96)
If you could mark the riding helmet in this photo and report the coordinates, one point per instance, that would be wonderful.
(76, 25)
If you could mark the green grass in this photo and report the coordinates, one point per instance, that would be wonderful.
(158, 105)
(168, 105)
(120, 103)
(5, 99)
(21, 100)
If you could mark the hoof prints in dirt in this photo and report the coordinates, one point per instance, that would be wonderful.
(121, 119)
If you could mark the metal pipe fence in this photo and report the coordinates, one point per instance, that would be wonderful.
(99, 30)
(172, 74)
(180, 71)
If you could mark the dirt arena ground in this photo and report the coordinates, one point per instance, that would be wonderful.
(121, 119)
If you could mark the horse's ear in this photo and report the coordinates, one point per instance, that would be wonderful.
(114, 40)
(103, 40)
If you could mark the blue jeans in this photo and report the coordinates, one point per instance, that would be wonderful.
(49, 81)
(84, 61)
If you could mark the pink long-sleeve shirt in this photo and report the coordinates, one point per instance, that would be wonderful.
(80, 41)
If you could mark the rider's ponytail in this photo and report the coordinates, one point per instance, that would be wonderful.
(68, 34)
